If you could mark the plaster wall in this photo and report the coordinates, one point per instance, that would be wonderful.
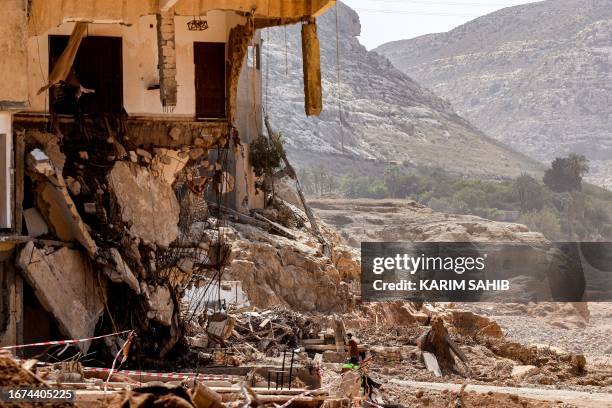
(13, 61)
(140, 60)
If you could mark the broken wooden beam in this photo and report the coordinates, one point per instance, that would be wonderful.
(276, 227)
(339, 334)
(311, 53)
(438, 342)
(245, 219)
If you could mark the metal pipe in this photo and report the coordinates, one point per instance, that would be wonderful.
(283, 369)
(291, 367)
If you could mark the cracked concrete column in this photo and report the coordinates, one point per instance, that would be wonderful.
(167, 59)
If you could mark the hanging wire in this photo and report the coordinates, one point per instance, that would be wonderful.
(268, 58)
(338, 78)
(286, 53)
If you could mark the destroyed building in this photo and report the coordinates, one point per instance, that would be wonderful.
(122, 126)
(147, 256)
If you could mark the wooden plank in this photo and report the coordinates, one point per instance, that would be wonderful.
(312, 342)
(339, 334)
(276, 227)
(321, 347)
(311, 52)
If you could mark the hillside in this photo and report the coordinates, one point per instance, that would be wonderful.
(386, 116)
(536, 77)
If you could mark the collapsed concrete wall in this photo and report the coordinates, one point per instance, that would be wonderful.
(66, 286)
(147, 203)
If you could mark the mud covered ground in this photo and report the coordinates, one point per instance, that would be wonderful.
(556, 325)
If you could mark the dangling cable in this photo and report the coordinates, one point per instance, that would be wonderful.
(268, 58)
(338, 78)
(286, 53)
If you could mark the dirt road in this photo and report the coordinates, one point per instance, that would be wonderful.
(578, 398)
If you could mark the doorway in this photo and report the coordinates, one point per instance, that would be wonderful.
(98, 66)
(209, 60)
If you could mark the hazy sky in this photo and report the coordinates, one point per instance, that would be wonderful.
(388, 20)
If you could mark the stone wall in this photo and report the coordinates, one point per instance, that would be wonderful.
(167, 59)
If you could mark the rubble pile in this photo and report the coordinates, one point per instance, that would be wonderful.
(275, 328)
(139, 239)
(278, 270)
(115, 219)
(452, 346)
(15, 375)
(118, 201)
(251, 336)
(464, 345)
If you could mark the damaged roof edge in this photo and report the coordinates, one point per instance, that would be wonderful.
(263, 8)
(45, 14)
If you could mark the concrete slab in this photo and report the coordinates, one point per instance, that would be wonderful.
(147, 203)
(35, 223)
(66, 287)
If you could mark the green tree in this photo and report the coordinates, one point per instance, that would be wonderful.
(528, 192)
(472, 197)
(565, 174)
(377, 189)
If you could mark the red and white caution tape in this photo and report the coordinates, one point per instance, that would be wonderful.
(123, 352)
(62, 342)
(180, 376)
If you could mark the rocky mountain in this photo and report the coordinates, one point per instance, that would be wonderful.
(537, 77)
(374, 114)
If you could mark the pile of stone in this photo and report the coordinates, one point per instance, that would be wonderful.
(113, 219)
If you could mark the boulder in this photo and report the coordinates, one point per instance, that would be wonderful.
(161, 306)
(275, 270)
(168, 164)
(148, 204)
(470, 324)
(349, 386)
(287, 193)
(346, 260)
